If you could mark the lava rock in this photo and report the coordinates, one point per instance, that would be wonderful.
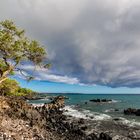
(131, 111)
(100, 100)
(104, 136)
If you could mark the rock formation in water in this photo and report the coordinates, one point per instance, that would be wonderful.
(100, 100)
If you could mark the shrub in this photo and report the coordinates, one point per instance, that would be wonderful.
(11, 87)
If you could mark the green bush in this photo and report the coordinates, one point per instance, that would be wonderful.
(11, 87)
(26, 92)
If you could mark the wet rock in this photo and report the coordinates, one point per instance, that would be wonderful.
(116, 119)
(91, 117)
(86, 103)
(100, 100)
(116, 110)
(138, 112)
(131, 111)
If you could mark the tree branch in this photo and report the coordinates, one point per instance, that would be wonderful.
(1, 80)
(5, 60)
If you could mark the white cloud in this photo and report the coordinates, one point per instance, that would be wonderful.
(45, 75)
(58, 78)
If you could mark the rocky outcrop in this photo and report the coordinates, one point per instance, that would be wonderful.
(100, 100)
(53, 97)
(131, 111)
(19, 120)
(59, 123)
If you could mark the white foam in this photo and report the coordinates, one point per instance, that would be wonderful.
(109, 110)
(102, 117)
(85, 114)
(114, 101)
(37, 105)
(73, 112)
(131, 123)
(45, 99)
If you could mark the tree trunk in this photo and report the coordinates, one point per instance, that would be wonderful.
(3, 79)
(5, 74)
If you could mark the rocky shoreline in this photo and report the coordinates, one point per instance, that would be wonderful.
(20, 120)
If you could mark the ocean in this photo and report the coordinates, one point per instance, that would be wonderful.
(78, 105)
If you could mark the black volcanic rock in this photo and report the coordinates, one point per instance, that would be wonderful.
(130, 111)
(100, 100)
(92, 136)
(47, 122)
(138, 112)
(104, 136)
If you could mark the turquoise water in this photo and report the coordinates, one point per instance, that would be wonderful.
(120, 102)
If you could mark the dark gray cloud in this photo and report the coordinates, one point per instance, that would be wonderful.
(88, 41)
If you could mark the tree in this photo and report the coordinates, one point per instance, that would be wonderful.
(16, 48)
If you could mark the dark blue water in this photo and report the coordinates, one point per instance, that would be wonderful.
(120, 102)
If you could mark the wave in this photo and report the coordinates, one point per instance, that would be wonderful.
(115, 101)
(130, 123)
(85, 114)
(109, 110)
(37, 105)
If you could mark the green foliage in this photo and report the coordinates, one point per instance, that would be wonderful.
(9, 87)
(26, 92)
(12, 88)
(15, 48)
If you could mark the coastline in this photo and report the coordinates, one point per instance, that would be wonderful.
(51, 121)
(117, 128)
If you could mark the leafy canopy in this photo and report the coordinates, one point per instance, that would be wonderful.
(15, 48)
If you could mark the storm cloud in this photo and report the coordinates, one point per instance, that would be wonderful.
(88, 41)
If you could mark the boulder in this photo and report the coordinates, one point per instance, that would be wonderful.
(86, 103)
(131, 111)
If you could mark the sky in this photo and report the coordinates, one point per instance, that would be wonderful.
(93, 45)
